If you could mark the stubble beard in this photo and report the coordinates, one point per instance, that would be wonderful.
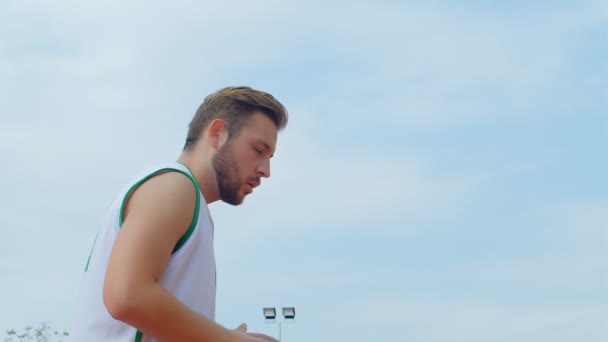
(226, 174)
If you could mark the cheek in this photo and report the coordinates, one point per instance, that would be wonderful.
(246, 162)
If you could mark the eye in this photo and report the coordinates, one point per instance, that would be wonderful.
(257, 150)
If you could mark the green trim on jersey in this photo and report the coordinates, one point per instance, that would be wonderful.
(186, 235)
(86, 268)
(182, 240)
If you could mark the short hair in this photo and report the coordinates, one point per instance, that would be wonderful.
(234, 105)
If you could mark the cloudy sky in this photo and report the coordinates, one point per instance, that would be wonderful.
(442, 177)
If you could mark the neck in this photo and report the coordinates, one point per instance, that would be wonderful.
(203, 172)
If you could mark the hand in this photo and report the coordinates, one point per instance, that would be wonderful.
(264, 337)
(244, 336)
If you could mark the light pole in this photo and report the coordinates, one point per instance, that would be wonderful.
(289, 315)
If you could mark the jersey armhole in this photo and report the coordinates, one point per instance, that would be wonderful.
(190, 230)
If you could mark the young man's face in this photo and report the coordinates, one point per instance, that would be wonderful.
(245, 158)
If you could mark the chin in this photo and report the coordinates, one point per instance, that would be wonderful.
(234, 201)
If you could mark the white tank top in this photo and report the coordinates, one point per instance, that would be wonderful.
(190, 273)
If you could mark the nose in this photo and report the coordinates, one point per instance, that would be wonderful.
(264, 169)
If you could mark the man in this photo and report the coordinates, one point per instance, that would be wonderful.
(151, 272)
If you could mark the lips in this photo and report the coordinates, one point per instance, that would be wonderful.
(250, 186)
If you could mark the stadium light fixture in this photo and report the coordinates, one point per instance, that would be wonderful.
(270, 313)
(289, 313)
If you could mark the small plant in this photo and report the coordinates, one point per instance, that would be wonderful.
(43, 333)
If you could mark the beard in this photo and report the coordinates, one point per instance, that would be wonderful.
(226, 174)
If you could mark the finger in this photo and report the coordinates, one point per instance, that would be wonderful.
(242, 328)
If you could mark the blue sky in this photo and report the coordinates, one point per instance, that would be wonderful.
(442, 177)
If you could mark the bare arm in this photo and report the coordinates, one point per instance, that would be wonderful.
(156, 215)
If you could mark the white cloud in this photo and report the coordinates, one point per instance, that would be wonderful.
(580, 228)
(579, 216)
(431, 59)
(446, 320)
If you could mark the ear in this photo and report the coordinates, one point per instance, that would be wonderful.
(218, 133)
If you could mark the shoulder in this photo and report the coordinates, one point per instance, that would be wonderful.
(168, 196)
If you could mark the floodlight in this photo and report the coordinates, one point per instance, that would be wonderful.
(270, 313)
(289, 313)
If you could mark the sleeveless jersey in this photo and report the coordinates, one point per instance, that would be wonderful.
(190, 273)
